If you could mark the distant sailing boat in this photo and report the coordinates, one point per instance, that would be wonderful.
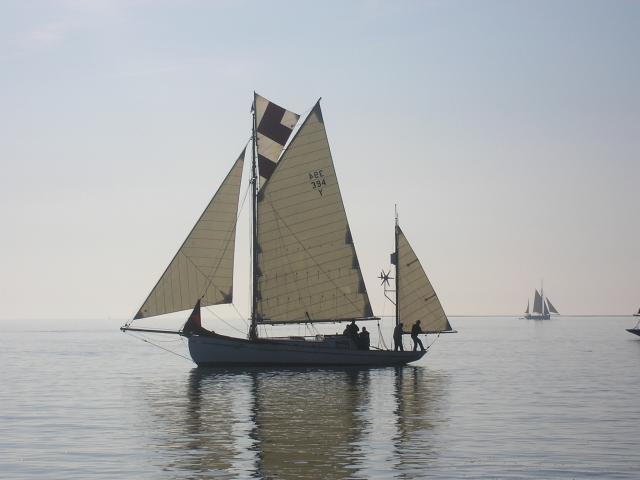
(635, 330)
(542, 307)
(304, 264)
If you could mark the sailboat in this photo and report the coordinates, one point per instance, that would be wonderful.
(304, 266)
(635, 330)
(542, 307)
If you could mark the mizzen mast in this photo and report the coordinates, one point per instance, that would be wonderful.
(397, 269)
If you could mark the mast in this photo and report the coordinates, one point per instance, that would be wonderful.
(253, 330)
(397, 269)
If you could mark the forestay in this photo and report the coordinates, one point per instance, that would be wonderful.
(203, 267)
(308, 267)
(417, 299)
(274, 125)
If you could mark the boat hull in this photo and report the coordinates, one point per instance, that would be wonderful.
(222, 351)
(635, 331)
(537, 317)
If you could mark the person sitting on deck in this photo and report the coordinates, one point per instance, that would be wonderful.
(415, 331)
(363, 340)
(397, 338)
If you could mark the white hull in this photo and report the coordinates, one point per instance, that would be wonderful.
(219, 350)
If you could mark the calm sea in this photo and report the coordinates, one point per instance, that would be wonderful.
(504, 398)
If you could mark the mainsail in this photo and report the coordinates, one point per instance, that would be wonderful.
(203, 267)
(552, 309)
(274, 125)
(307, 264)
(417, 300)
(537, 303)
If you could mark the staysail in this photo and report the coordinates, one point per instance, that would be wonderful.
(308, 267)
(274, 125)
(203, 267)
(552, 309)
(537, 303)
(417, 300)
(527, 310)
(546, 309)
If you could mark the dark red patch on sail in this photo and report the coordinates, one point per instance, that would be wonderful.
(271, 124)
(266, 166)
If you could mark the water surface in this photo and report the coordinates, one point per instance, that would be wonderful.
(504, 398)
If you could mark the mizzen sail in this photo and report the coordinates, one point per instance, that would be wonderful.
(274, 125)
(308, 267)
(417, 300)
(203, 267)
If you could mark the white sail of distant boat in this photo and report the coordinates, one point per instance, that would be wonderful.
(635, 330)
(537, 303)
(304, 265)
(542, 307)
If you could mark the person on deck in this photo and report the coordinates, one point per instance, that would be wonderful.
(415, 331)
(363, 339)
(397, 338)
(352, 331)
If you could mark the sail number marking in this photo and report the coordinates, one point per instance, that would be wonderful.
(317, 180)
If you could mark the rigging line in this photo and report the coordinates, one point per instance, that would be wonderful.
(160, 347)
(294, 131)
(309, 255)
(223, 320)
(381, 337)
(434, 341)
(240, 315)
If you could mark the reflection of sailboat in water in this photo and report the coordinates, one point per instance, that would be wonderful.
(274, 426)
(304, 432)
(305, 269)
(420, 401)
(202, 434)
(301, 424)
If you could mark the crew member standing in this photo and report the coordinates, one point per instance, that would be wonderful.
(415, 331)
(397, 338)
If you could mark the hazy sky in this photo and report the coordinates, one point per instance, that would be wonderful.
(507, 132)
